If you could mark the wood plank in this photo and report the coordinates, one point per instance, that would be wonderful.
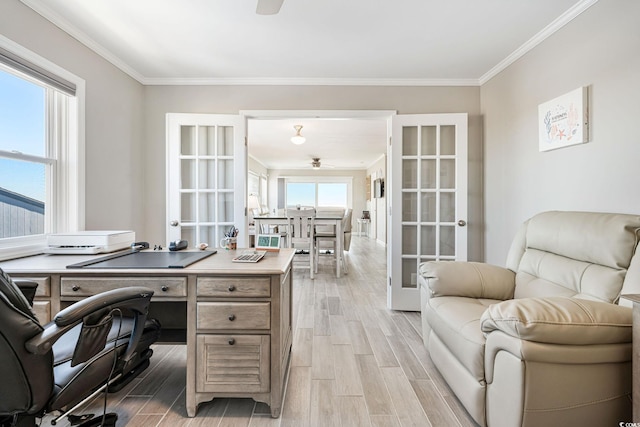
(373, 385)
(346, 371)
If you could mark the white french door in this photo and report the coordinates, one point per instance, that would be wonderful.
(206, 177)
(427, 201)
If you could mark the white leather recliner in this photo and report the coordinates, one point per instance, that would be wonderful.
(546, 341)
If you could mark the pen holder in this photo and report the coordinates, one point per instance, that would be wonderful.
(229, 243)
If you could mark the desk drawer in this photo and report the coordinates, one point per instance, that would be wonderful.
(234, 286)
(42, 310)
(86, 286)
(232, 364)
(233, 315)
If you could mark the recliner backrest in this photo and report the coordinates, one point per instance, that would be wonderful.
(575, 254)
(30, 375)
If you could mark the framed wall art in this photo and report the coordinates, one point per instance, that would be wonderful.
(564, 121)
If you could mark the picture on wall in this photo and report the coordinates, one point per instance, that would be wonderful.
(564, 120)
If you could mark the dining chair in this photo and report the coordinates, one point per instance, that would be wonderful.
(330, 237)
(302, 233)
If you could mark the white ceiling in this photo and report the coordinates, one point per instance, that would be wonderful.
(399, 42)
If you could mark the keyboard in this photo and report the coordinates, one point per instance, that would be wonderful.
(249, 256)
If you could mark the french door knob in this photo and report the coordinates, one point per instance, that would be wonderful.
(174, 223)
(462, 223)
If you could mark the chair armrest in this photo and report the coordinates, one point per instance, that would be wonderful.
(468, 279)
(134, 298)
(560, 320)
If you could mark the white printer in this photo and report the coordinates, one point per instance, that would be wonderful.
(89, 242)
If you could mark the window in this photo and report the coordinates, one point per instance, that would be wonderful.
(40, 146)
(318, 191)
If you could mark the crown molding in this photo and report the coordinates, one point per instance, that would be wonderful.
(60, 22)
(534, 41)
(304, 81)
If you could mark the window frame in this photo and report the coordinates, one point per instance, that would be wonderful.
(65, 140)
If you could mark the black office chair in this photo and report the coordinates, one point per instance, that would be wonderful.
(57, 366)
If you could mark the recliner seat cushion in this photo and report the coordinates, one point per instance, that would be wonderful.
(456, 321)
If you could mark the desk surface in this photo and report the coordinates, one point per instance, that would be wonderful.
(218, 263)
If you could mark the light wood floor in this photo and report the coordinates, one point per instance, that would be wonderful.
(354, 363)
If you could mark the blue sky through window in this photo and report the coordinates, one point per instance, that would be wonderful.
(22, 128)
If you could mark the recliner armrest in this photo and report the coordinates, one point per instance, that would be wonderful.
(560, 320)
(468, 279)
(134, 298)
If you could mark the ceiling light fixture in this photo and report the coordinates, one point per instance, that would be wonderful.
(297, 138)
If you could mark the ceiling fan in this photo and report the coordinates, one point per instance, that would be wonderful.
(315, 163)
(268, 7)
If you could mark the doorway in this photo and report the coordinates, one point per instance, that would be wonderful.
(340, 146)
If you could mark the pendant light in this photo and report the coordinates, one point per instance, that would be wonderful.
(297, 138)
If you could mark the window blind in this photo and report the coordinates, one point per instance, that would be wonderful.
(34, 71)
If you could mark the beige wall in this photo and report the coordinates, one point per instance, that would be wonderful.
(114, 119)
(599, 49)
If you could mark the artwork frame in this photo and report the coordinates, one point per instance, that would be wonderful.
(564, 121)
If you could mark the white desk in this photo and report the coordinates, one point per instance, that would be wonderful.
(335, 221)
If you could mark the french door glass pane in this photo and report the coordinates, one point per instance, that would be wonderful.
(448, 173)
(447, 207)
(447, 240)
(447, 140)
(428, 240)
(187, 140)
(409, 239)
(188, 207)
(225, 141)
(428, 174)
(188, 233)
(410, 141)
(409, 173)
(187, 174)
(208, 236)
(207, 174)
(225, 207)
(225, 174)
(428, 207)
(409, 273)
(409, 206)
(429, 141)
(206, 141)
(206, 207)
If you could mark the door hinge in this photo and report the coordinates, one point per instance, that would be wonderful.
(389, 281)
(246, 141)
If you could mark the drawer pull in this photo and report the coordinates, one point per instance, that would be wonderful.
(232, 341)
(232, 317)
(75, 288)
(232, 288)
(164, 288)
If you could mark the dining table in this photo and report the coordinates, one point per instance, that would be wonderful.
(267, 221)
